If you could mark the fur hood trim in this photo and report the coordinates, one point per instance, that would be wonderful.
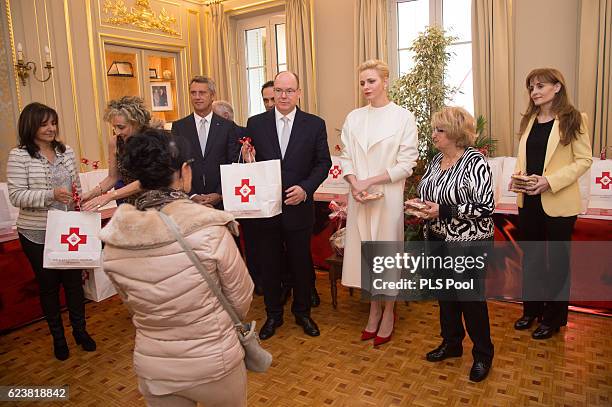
(130, 228)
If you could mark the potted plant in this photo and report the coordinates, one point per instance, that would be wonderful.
(423, 92)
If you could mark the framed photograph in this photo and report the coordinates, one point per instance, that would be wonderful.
(152, 73)
(118, 68)
(161, 97)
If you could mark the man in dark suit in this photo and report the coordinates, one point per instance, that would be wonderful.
(213, 142)
(299, 140)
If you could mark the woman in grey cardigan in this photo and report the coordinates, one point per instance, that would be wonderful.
(40, 174)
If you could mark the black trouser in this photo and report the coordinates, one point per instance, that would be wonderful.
(546, 270)
(271, 240)
(475, 313)
(476, 316)
(49, 281)
(250, 237)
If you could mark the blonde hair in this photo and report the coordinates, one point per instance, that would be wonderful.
(130, 107)
(458, 124)
(378, 65)
(223, 106)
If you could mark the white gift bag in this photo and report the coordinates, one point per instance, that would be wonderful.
(585, 190)
(96, 285)
(71, 240)
(601, 184)
(507, 197)
(334, 183)
(252, 190)
(8, 213)
(497, 168)
(91, 179)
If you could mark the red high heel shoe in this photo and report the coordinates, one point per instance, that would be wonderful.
(380, 340)
(367, 335)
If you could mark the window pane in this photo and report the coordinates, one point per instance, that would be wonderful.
(457, 16)
(460, 74)
(405, 61)
(256, 79)
(281, 48)
(412, 18)
(255, 47)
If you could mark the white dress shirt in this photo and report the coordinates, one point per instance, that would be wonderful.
(198, 122)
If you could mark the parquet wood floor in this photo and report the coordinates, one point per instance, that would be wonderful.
(337, 369)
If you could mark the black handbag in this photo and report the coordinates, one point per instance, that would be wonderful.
(256, 358)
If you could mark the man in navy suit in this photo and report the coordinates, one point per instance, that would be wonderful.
(299, 140)
(213, 142)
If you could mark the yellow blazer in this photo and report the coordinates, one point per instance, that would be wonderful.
(563, 165)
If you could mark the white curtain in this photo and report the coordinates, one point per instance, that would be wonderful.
(300, 52)
(594, 65)
(493, 68)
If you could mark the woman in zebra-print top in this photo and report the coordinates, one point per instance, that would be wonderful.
(458, 194)
(458, 184)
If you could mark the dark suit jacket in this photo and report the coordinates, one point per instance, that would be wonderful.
(221, 148)
(306, 163)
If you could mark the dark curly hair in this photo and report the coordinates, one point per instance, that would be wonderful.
(31, 119)
(153, 156)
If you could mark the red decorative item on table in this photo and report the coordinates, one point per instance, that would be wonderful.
(76, 197)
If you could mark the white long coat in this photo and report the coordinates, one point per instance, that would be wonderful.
(376, 140)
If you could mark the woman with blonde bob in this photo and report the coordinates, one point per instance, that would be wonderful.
(128, 116)
(554, 151)
(380, 150)
(457, 202)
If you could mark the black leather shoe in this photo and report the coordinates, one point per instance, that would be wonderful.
(285, 294)
(87, 343)
(524, 322)
(310, 327)
(544, 332)
(315, 300)
(269, 328)
(479, 371)
(444, 351)
(60, 349)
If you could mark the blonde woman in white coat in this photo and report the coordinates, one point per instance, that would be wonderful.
(379, 152)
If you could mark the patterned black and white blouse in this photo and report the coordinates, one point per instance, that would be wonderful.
(465, 195)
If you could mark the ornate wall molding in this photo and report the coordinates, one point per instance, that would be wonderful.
(141, 16)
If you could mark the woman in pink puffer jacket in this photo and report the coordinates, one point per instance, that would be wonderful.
(186, 348)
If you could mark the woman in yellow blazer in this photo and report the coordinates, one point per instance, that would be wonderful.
(554, 151)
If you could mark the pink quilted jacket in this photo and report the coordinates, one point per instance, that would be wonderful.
(183, 335)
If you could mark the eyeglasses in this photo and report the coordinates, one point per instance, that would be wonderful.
(288, 92)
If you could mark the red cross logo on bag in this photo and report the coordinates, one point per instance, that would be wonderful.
(335, 171)
(244, 190)
(605, 180)
(73, 239)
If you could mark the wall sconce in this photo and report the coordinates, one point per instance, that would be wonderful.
(23, 68)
